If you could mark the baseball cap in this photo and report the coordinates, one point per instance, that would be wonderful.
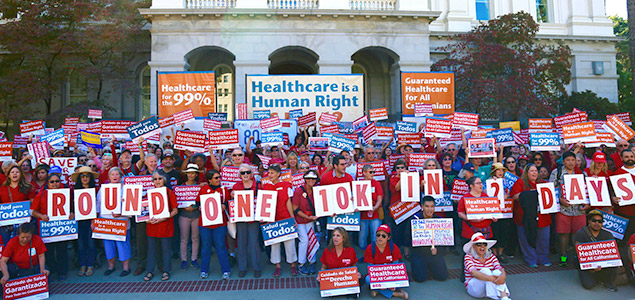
(599, 157)
(168, 152)
(384, 228)
(469, 167)
(55, 170)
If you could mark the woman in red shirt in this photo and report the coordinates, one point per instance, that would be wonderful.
(284, 210)
(304, 209)
(370, 219)
(39, 180)
(161, 230)
(385, 252)
(481, 225)
(395, 189)
(540, 253)
(339, 253)
(14, 189)
(18, 257)
(248, 233)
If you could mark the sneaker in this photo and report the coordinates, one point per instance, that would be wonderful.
(257, 274)
(226, 276)
(502, 259)
(195, 264)
(204, 275)
(242, 274)
(563, 261)
(547, 264)
(608, 286)
(277, 272)
(533, 266)
(184, 265)
(304, 270)
(294, 271)
(312, 269)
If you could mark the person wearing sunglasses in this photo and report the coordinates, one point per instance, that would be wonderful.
(57, 253)
(594, 232)
(471, 226)
(621, 145)
(304, 210)
(402, 228)
(426, 260)
(626, 211)
(339, 253)
(511, 166)
(84, 178)
(248, 233)
(484, 275)
(383, 251)
(370, 219)
(338, 174)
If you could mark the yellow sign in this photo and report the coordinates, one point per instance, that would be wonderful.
(514, 125)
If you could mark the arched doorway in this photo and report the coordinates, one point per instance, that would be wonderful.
(221, 61)
(380, 67)
(293, 60)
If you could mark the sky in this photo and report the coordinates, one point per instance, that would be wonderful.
(616, 7)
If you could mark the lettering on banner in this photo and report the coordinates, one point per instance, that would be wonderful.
(624, 188)
(266, 206)
(244, 206)
(85, 204)
(59, 204)
(547, 199)
(211, 209)
(132, 194)
(158, 203)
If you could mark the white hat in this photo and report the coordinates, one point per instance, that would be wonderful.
(192, 168)
(477, 238)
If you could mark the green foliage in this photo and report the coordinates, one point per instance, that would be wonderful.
(624, 82)
(595, 106)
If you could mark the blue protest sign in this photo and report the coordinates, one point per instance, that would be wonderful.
(55, 138)
(249, 128)
(280, 231)
(345, 127)
(406, 127)
(296, 113)
(443, 204)
(60, 230)
(504, 137)
(508, 180)
(275, 138)
(220, 117)
(544, 141)
(144, 128)
(14, 213)
(616, 225)
(338, 143)
(262, 114)
(350, 221)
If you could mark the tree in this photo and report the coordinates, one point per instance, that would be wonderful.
(595, 106)
(630, 8)
(502, 72)
(623, 65)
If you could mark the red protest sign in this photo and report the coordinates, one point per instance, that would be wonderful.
(483, 208)
(183, 116)
(241, 111)
(307, 120)
(418, 160)
(270, 124)
(186, 195)
(32, 128)
(326, 119)
(20, 141)
(167, 121)
(400, 211)
(110, 229)
(369, 132)
(413, 139)
(422, 110)
(71, 121)
(94, 127)
(540, 124)
(459, 188)
(440, 128)
(95, 113)
(134, 148)
(6, 149)
(223, 139)
(384, 133)
(388, 276)
(625, 117)
(579, 132)
(378, 166)
(330, 129)
(229, 176)
(378, 114)
(481, 147)
(30, 287)
(465, 120)
(601, 138)
(187, 140)
(209, 124)
(598, 254)
(569, 119)
(115, 129)
(620, 129)
(335, 282)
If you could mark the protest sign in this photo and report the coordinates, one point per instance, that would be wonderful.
(388, 276)
(94, 127)
(598, 254)
(412, 139)
(59, 204)
(342, 94)
(144, 214)
(495, 189)
(483, 147)
(192, 141)
(378, 114)
(410, 187)
(417, 161)
(467, 121)
(444, 203)
(85, 204)
(601, 138)
(223, 139)
(432, 232)
(57, 231)
(330, 129)
(6, 149)
(270, 124)
(598, 191)
(211, 124)
(307, 120)
(618, 128)
(251, 128)
(578, 132)
(336, 282)
(241, 111)
(110, 198)
(295, 113)
(625, 117)
(20, 141)
(362, 195)
(514, 125)
(158, 203)
(433, 183)
(131, 202)
(145, 181)
(348, 221)
(384, 133)
(482, 208)
(441, 128)
(459, 188)
(508, 180)
(575, 189)
(369, 132)
(145, 128)
(401, 211)
(262, 114)
(110, 229)
(405, 127)
(266, 206)
(95, 113)
(15, 213)
(38, 151)
(547, 198)
(333, 199)
(186, 195)
(278, 232)
(55, 138)
(211, 209)
(504, 137)
(33, 128)
(229, 176)
(423, 110)
(119, 129)
(623, 186)
(360, 123)
(71, 120)
(269, 139)
(614, 224)
(338, 143)
(179, 91)
(90, 139)
(571, 118)
(217, 116)
(244, 206)
(378, 167)
(434, 88)
(544, 141)
(27, 288)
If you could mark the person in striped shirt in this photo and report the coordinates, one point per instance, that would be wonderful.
(484, 276)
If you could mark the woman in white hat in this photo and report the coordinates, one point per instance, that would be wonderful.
(484, 275)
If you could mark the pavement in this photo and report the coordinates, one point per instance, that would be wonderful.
(524, 282)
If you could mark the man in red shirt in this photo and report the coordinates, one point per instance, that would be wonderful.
(627, 211)
(621, 145)
(338, 175)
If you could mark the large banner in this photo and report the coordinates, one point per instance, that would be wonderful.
(427, 88)
(179, 91)
(342, 95)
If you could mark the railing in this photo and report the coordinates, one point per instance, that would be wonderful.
(292, 4)
(197, 4)
(373, 4)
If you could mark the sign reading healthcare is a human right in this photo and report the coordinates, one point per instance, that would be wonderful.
(342, 95)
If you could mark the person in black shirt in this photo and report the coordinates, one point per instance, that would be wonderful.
(427, 260)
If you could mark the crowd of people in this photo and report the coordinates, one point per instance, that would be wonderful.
(485, 244)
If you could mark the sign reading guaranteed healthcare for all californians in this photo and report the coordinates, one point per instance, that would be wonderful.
(342, 95)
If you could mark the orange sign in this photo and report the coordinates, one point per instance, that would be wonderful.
(378, 114)
(179, 91)
(578, 132)
(335, 282)
(620, 128)
(428, 88)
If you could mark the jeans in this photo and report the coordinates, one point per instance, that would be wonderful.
(165, 253)
(421, 264)
(590, 280)
(368, 227)
(57, 257)
(303, 245)
(538, 255)
(187, 225)
(216, 236)
(385, 292)
(247, 238)
(86, 244)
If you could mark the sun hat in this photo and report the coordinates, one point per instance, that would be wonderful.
(192, 168)
(477, 238)
(497, 166)
(81, 170)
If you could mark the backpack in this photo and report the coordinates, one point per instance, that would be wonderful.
(390, 243)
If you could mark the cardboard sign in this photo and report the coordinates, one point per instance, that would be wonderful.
(348, 221)
(484, 147)
(266, 206)
(625, 117)
(33, 128)
(410, 187)
(503, 137)
(144, 216)
(20, 141)
(183, 117)
(30, 287)
(59, 204)
(278, 232)
(71, 121)
(598, 191)
(432, 232)
(547, 199)
(440, 128)
(575, 189)
(384, 133)
(417, 161)
(15, 213)
(330, 129)
(110, 229)
(90, 139)
(66, 163)
(132, 195)
(229, 176)
(188, 140)
(598, 254)
(211, 209)
(369, 132)
(571, 118)
(467, 121)
(219, 117)
(337, 144)
(514, 125)
(333, 199)
(118, 129)
(482, 208)
(295, 113)
(336, 282)
(57, 231)
(362, 195)
(616, 225)
(158, 203)
(241, 111)
(110, 198)
(387, 276)
(6, 150)
(244, 206)
(39, 151)
(360, 123)
(95, 113)
(508, 180)
(94, 127)
(546, 141)
(579, 132)
(378, 114)
(223, 139)
(145, 128)
(433, 183)
(618, 128)
(262, 114)
(186, 195)
(401, 211)
(270, 124)
(85, 204)
(624, 186)
(307, 120)
(495, 189)
(459, 188)
(435, 88)
(55, 138)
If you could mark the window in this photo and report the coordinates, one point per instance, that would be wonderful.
(542, 12)
(225, 108)
(77, 88)
(144, 95)
(482, 10)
